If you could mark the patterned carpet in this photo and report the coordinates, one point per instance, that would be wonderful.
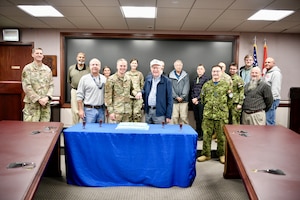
(209, 184)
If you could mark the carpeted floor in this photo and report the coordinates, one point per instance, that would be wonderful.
(208, 184)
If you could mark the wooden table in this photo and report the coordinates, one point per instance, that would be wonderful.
(265, 147)
(18, 144)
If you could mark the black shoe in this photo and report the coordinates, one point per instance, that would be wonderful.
(200, 138)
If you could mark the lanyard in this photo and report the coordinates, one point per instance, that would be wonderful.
(99, 85)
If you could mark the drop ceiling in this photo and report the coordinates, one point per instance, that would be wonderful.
(172, 15)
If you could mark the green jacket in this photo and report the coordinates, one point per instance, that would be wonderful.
(215, 99)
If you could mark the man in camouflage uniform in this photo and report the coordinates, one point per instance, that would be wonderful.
(118, 93)
(214, 96)
(37, 83)
(236, 102)
(224, 75)
(138, 82)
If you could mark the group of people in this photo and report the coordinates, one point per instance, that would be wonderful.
(119, 97)
(245, 96)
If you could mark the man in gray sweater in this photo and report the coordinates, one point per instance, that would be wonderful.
(258, 99)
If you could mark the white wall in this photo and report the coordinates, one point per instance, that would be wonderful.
(285, 48)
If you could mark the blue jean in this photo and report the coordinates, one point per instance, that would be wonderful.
(93, 115)
(271, 114)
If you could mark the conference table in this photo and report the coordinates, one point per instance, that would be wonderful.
(251, 152)
(27, 147)
(107, 156)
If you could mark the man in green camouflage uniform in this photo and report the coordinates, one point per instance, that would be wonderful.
(118, 93)
(138, 82)
(214, 96)
(37, 83)
(236, 102)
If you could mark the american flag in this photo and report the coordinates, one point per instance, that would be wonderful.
(255, 63)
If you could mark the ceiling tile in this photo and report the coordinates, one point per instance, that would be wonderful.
(287, 4)
(137, 3)
(74, 11)
(253, 4)
(213, 4)
(113, 22)
(280, 26)
(106, 11)
(167, 24)
(224, 25)
(175, 3)
(253, 26)
(72, 3)
(85, 22)
(172, 12)
(100, 2)
(140, 23)
(56, 22)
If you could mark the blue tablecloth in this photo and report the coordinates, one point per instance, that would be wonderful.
(104, 156)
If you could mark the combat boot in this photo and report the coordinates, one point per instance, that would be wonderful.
(222, 159)
(203, 158)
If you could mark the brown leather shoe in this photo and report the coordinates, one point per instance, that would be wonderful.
(222, 159)
(203, 158)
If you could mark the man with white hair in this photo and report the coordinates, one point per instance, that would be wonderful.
(180, 91)
(157, 95)
(258, 99)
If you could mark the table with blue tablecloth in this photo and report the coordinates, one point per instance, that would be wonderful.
(105, 156)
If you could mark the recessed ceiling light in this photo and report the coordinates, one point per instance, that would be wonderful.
(138, 12)
(41, 11)
(271, 15)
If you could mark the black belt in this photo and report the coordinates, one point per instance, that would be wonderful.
(251, 112)
(96, 107)
(152, 107)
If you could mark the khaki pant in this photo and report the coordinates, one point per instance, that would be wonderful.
(258, 118)
(180, 113)
(74, 107)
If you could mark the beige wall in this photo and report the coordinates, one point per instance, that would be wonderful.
(285, 48)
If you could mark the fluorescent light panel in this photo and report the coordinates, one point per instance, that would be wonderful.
(138, 12)
(41, 11)
(271, 15)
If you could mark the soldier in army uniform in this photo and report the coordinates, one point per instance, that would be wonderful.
(37, 83)
(214, 96)
(119, 90)
(138, 82)
(236, 102)
(224, 75)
